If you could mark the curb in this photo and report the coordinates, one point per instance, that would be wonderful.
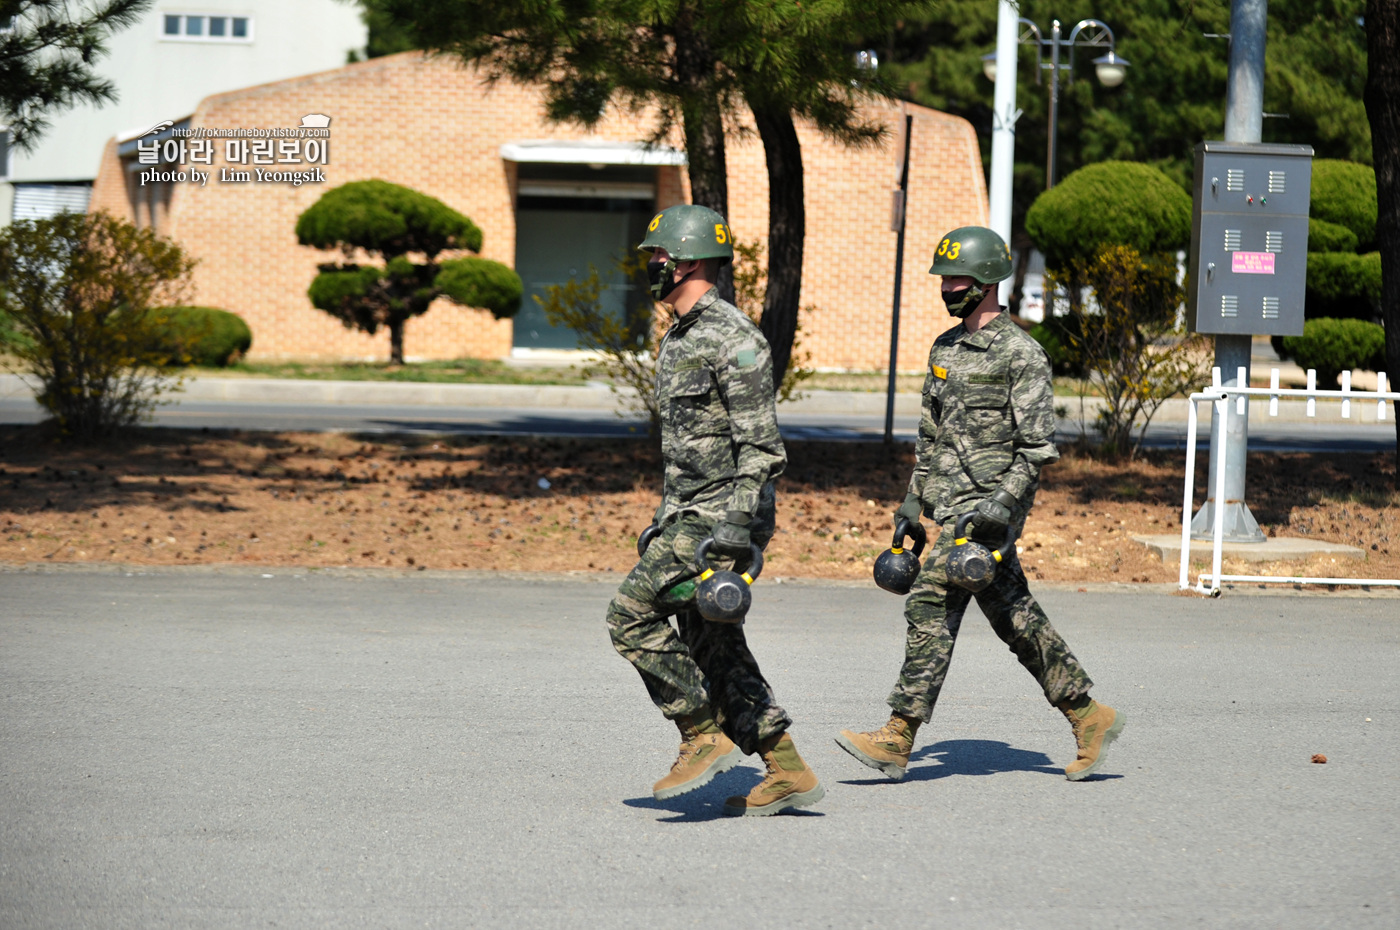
(599, 396)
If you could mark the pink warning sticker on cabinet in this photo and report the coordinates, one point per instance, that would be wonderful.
(1252, 262)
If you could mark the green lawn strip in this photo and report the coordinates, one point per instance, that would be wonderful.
(493, 371)
(459, 371)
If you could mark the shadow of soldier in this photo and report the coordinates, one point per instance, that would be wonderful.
(973, 757)
(707, 803)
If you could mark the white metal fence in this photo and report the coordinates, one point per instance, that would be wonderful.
(1221, 396)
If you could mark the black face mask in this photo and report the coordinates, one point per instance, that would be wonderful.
(661, 275)
(964, 300)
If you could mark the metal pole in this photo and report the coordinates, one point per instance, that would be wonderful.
(1004, 126)
(1054, 103)
(898, 276)
(1244, 122)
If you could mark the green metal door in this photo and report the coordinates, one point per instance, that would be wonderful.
(554, 245)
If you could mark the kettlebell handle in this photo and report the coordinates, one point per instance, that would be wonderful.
(914, 531)
(960, 531)
(755, 558)
(644, 541)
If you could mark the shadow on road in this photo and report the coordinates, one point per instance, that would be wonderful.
(707, 803)
(973, 757)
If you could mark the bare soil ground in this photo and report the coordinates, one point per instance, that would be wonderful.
(300, 499)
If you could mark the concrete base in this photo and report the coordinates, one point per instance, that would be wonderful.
(1276, 549)
(1240, 525)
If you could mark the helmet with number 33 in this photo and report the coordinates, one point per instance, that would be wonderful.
(689, 231)
(974, 251)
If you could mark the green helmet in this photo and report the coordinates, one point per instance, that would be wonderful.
(689, 231)
(975, 251)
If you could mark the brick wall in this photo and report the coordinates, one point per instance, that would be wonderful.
(434, 126)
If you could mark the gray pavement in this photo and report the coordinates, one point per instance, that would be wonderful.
(195, 749)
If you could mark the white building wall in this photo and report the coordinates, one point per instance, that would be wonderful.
(163, 78)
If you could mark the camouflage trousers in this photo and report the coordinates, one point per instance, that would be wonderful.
(934, 614)
(696, 663)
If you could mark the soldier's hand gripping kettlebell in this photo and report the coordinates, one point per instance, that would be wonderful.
(723, 596)
(992, 516)
(896, 568)
(971, 564)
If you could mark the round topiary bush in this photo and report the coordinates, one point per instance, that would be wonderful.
(478, 282)
(206, 336)
(1333, 346)
(1058, 344)
(1343, 284)
(1110, 203)
(378, 216)
(1344, 193)
(1329, 237)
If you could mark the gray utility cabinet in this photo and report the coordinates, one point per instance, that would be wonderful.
(1249, 238)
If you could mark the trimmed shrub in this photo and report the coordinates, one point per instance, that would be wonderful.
(395, 222)
(390, 219)
(1329, 237)
(1332, 346)
(1343, 284)
(1056, 339)
(479, 282)
(206, 336)
(1110, 203)
(1344, 193)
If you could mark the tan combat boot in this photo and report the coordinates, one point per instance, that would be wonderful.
(1095, 726)
(887, 748)
(790, 782)
(705, 752)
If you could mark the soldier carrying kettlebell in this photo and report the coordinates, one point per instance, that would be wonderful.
(722, 450)
(986, 430)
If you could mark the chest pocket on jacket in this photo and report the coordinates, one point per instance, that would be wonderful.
(985, 393)
(692, 402)
(986, 400)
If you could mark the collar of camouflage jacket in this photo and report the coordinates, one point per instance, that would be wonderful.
(993, 328)
(706, 300)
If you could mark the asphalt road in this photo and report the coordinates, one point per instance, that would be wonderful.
(1320, 436)
(197, 750)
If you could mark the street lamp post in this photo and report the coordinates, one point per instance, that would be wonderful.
(1110, 68)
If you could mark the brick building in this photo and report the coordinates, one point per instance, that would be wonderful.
(549, 198)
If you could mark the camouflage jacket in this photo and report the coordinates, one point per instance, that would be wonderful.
(719, 426)
(988, 420)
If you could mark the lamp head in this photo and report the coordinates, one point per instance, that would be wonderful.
(1111, 69)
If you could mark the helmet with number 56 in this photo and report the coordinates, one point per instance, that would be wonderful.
(689, 231)
(975, 251)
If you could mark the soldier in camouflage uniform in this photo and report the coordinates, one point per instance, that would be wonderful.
(720, 442)
(986, 430)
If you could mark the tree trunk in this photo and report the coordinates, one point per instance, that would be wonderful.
(787, 229)
(1383, 110)
(396, 341)
(703, 124)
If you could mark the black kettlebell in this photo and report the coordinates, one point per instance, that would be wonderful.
(971, 564)
(723, 596)
(644, 540)
(896, 568)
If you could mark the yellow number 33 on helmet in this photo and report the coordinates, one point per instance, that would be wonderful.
(949, 249)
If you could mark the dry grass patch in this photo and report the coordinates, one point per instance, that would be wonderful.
(310, 499)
